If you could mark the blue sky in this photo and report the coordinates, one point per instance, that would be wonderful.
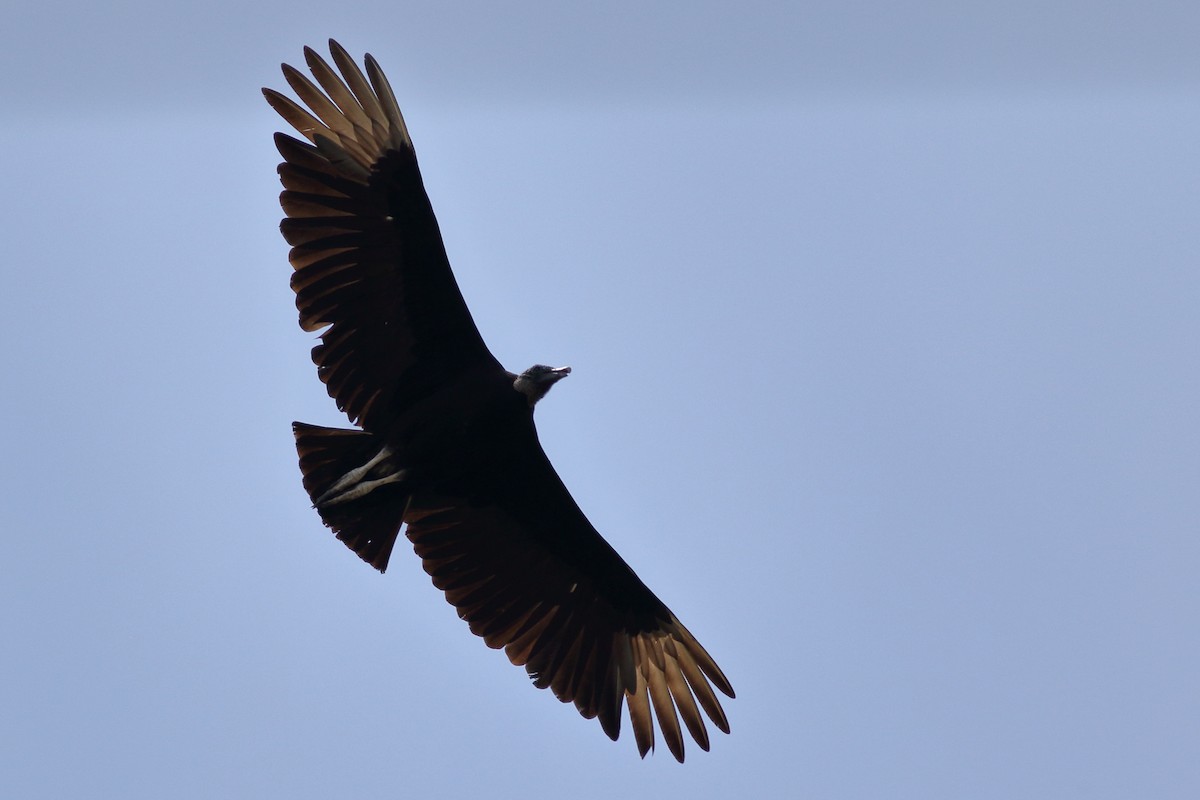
(884, 334)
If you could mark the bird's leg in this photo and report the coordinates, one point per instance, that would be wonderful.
(351, 486)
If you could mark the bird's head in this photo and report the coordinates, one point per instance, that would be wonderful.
(537, 380)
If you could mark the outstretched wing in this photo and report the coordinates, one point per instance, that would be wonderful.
(370, 267)
(529, 573)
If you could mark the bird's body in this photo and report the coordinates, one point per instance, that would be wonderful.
(448, 446)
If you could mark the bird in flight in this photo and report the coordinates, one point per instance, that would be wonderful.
(446, 444)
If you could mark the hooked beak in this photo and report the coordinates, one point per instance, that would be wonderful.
(553, 375)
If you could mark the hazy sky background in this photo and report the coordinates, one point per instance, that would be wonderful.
(884, 321)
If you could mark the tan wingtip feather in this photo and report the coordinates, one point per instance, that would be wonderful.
(383, 90)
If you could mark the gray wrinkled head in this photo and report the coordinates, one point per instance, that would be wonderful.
(537, 380)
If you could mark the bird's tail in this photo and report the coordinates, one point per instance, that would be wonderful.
(356, 486)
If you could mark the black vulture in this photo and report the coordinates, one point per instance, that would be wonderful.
(447, 445)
